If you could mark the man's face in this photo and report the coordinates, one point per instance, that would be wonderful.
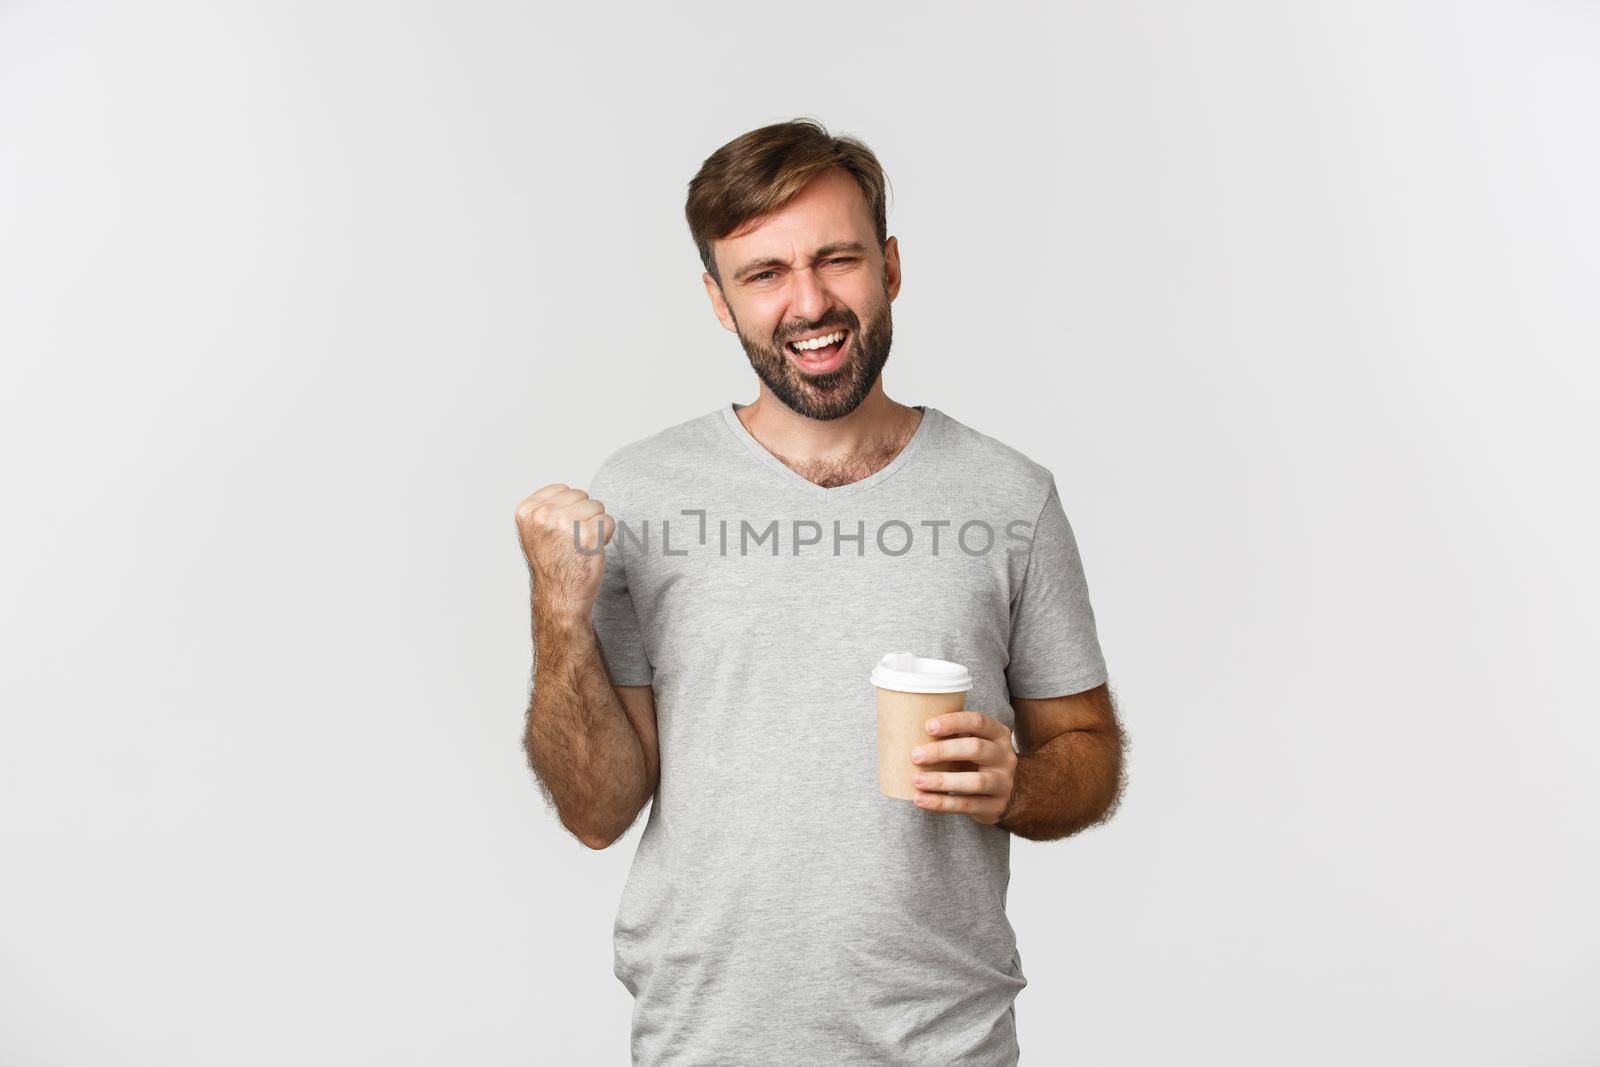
(811, 269)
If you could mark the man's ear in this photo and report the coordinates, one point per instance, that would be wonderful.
(719, 303)
(891, 266)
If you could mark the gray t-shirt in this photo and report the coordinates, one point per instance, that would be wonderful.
(780, 909)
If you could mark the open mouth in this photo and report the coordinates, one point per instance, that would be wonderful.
(821, 360)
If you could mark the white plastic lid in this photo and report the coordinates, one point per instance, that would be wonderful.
(906, 673)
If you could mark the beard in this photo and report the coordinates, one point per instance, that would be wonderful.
(839, 392)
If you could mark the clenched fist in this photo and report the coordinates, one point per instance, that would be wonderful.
(566, 570)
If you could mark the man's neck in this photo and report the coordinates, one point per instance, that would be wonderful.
(836, 451)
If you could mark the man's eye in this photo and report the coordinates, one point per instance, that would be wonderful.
(825, 262)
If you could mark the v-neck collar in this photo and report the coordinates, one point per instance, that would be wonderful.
(930, 416)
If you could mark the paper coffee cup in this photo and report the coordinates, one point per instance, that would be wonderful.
(912, 690)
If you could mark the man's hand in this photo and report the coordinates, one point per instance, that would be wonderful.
(566, 573)
(982, 791)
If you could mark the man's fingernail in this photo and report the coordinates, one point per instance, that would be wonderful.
(933, 726)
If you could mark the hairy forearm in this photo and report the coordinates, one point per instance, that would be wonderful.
(580, 743)
(1067, 784)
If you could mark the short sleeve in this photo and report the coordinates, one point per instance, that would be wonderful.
(1054, 647)
(616, 622)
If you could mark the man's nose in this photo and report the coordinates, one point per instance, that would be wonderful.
(808, 297)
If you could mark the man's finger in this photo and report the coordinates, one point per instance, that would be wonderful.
(585, 509)
(589, 525)
(982, 783)
(965, 722)
(977, 749)
(959, 803)
(544, 493)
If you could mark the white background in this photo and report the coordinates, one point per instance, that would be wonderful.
(297, 301)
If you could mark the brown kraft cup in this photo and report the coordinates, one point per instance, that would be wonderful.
(911, 690)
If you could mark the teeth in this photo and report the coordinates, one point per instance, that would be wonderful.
(818, 342)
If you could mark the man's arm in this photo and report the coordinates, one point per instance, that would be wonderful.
(592, 745)
(1069, 772)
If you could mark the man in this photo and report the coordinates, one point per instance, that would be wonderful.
(708, 644)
